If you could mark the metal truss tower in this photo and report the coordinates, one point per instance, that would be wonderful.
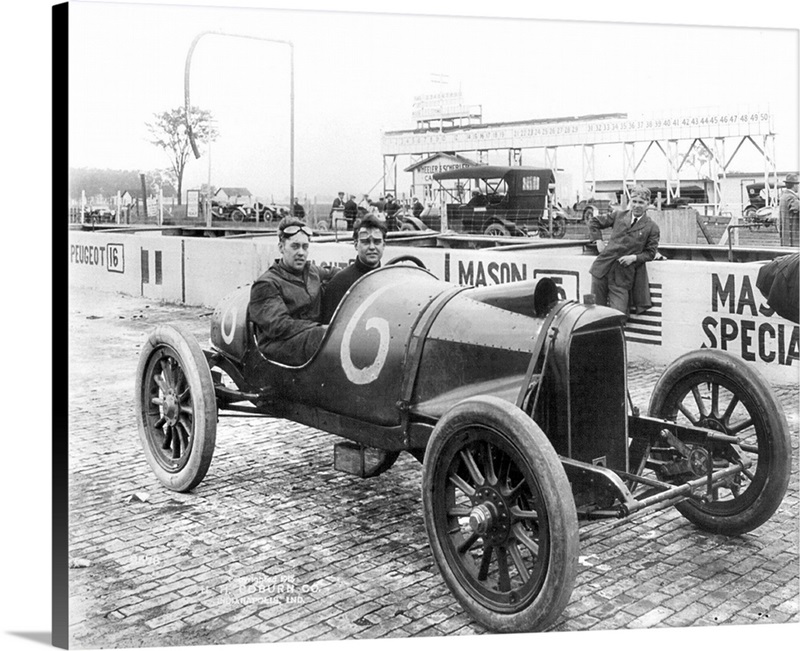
(681, 136)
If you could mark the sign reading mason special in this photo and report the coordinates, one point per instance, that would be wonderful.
(745, 326)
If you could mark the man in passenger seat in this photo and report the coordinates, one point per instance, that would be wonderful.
(369, 239)
(286, 300)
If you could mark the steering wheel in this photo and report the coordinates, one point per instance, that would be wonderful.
(407, 258)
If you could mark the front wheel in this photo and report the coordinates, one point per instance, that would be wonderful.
(714, 390)
(176, 408)
(500, 515)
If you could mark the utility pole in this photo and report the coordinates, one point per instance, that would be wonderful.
(188, 103)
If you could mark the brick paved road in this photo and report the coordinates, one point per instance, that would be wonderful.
(276, 545)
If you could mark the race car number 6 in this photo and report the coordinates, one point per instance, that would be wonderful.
(369, 373)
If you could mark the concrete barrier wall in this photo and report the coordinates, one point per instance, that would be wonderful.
(696, 304)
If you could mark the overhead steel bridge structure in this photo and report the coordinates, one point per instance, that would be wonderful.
(675, 133)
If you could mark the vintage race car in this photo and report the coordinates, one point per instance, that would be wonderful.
(517, 406)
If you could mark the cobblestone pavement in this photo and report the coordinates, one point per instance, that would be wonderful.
(277, 545)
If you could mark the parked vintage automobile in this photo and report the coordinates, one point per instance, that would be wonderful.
(96, 214)
(518, 201)
(267, 212)
(756, 197)
(757, 213)
(516, 403)
(226, 211)
(585, 209)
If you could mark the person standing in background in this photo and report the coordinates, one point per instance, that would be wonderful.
(788, 213)
(350, 211)
(338, 204)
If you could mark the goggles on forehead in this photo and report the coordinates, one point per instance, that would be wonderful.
(294, 229)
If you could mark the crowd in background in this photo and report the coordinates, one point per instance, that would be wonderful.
(386, 208)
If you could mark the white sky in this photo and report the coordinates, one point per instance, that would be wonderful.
(356, 75)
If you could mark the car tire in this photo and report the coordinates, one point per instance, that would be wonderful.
(588, 213)
(749, 215)
(176, 408)
(496, 229)
(559, 226)
(711, 389)
(488, 465)
(238, 215)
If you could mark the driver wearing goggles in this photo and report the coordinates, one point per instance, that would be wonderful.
(285, 301)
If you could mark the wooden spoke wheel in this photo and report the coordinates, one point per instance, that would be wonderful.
(176, 408)
(500, 515)
(711, 389)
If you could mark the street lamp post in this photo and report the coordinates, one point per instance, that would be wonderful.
(209, 214)
(291, 100)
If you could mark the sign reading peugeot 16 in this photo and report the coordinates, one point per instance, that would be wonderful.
(513, 398)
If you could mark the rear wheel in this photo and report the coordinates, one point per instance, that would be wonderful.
(711, 389)
(500, 515)
(176, 408)
(588, 213)
(559, 226)
(496, 229)
(238, 215)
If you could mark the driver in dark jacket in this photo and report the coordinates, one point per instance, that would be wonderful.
(369, 239)
(285, 302)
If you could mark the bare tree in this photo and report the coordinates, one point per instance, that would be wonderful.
(169, 132)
